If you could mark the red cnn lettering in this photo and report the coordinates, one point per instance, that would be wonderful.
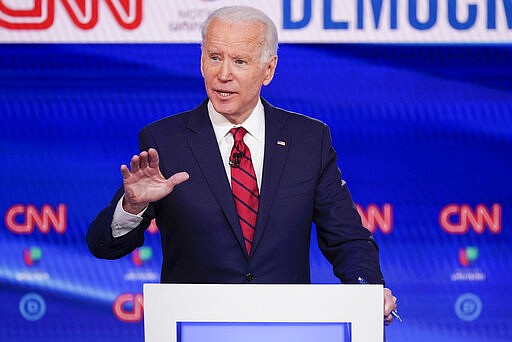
(124, 313)
(128, 13)
(456, 219)
(39, 17)
(31, 217)
(374, 217)
(83, 13)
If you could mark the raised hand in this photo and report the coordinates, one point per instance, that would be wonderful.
(144, 183)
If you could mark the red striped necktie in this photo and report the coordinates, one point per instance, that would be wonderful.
(244, 186)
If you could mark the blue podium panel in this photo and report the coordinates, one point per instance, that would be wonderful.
(268, 332)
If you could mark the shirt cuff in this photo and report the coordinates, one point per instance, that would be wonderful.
(124, 222)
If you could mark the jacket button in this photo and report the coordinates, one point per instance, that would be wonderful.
(249, 277)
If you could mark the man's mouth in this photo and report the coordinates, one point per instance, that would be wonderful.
(224, 93)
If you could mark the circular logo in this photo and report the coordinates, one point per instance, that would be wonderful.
(468, 307)
(32, 307)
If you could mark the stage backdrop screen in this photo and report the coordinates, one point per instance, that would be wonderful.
(422, 127)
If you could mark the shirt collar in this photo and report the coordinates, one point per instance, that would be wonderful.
(255, 123)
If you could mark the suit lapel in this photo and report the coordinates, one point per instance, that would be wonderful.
(203, 145)
(277, 144)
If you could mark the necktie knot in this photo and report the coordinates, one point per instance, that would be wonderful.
(238, 133)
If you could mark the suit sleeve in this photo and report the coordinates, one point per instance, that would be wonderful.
(99, 237)
(343, 240)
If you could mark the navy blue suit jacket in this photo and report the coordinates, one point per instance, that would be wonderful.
(200, 233)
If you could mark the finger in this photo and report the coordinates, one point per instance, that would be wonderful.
(125, 172)
(388, 319)
(389, 305)
(154, 160)
(178, 178)
(143, 160)
(134, 164)
(389, 302)
(387, 309)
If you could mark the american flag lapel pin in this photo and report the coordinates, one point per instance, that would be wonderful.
(281, 143)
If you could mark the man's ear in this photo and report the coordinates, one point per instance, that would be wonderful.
(202, 72)
(270, 70)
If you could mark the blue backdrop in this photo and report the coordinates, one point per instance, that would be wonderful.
(424, 136)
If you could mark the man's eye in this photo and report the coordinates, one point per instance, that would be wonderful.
(240, 61)
(214, 58)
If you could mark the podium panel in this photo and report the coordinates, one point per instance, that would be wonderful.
(170, 309)
(268, 332)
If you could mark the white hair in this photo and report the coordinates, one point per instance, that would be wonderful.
(246, 14)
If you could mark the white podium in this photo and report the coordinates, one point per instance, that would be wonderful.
(166, 306)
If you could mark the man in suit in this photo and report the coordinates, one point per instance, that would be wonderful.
(215, 227)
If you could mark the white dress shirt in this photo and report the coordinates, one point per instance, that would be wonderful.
(124, 222)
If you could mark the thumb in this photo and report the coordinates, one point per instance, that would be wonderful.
(178, 178)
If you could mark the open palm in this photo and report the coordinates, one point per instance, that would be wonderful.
(144, 183)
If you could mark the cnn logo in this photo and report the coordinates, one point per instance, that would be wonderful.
(457, 219)
(374, 217)
(40, 14)
(129, 308)
(22, 219)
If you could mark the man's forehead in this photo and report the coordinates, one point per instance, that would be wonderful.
(239, 48)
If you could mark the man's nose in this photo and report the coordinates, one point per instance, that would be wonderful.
(225, 72)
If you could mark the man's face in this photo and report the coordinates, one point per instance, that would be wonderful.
(232, 67)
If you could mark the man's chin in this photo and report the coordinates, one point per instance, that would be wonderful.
(225, 109)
